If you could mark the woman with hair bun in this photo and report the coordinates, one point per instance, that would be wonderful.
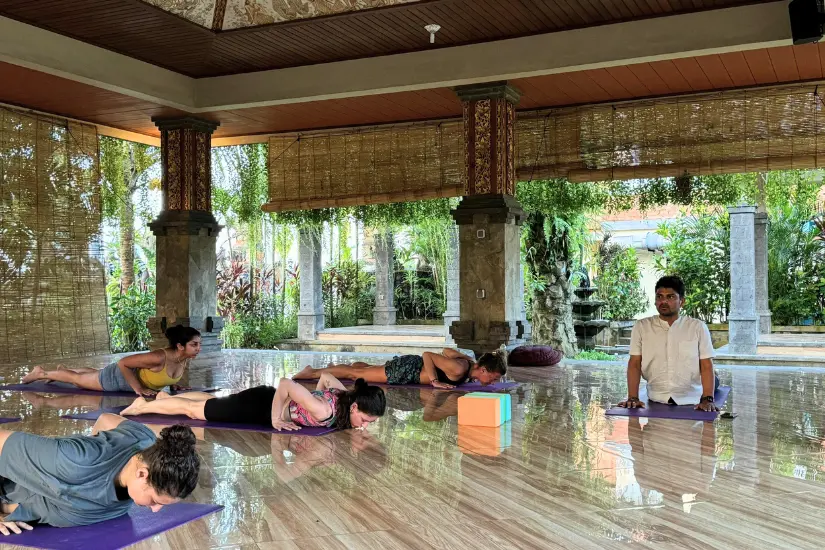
(144, 373)
(447, 369)
(290, 406)
(80, 480)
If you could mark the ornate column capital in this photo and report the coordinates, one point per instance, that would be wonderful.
(186, 160)
(489, 112)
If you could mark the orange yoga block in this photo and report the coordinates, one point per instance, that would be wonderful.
(479, 409)
(476, 440)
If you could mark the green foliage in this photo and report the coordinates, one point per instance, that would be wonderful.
(312, 218)
(400, 214)
(430, 241)
(618, 280)
(125, 167)
(349, 293)
(128, 313)
(796, 267)
(699, 253)
(595, 356)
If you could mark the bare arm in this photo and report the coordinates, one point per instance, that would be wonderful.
(128, 364)
(329, 382)
(289, 390)
(107, 421)
(634, 378)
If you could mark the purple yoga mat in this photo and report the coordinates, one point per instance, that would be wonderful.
(470, 386)
(61, 387)
(164, 420)
(139, 524)
(7, 420)
(676, 412)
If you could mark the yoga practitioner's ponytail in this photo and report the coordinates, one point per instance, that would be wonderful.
(172, 462)
(370, 400)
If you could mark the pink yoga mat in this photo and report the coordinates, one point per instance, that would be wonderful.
(676, 412)
(61, 387)
(139, 524)
(165, 420)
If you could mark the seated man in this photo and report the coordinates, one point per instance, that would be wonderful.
(673, 353)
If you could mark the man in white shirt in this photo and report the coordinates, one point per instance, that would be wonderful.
(673, 353)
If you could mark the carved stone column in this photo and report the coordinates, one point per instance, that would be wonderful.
(489, 220)
(186, 234)
(384, 312)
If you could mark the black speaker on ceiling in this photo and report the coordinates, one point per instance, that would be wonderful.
(807, 18)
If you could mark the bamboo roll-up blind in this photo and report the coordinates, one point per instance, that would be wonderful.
(52, 285)
(750, 130)
(726, 132)
(366, 166)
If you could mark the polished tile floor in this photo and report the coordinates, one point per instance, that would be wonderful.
(560, 475)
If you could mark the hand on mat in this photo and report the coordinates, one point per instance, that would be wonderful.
(9, 527)
(147, 393)
(707, 406)
(176, 388)
(631, 403)
(283, 425)
(442, 385)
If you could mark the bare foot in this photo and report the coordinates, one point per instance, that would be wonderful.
(162, 395)
(307, 373)
(37, 373)
(135, 408)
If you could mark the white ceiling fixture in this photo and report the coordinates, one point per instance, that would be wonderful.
(432, 28)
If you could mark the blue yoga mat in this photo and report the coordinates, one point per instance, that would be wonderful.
(139, 524)
(676, 412)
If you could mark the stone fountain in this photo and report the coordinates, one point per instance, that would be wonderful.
(586, 315)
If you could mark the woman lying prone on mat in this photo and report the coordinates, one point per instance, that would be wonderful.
(79, 480)
(447, 369)
(144, 373)
(289, 407)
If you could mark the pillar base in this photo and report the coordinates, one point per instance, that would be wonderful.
(765, 322)
(385, 316)
(449, 318)
(309, 325)
(498, 334)
(744, 335)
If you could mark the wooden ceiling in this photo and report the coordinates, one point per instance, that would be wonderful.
(148, 33)
(36, 90)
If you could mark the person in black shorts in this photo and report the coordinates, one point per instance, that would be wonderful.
(447, 369)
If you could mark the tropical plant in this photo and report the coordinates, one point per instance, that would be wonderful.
(698, 251)
(796, 267)
(128, 313)
(618, 280)
(349, 293)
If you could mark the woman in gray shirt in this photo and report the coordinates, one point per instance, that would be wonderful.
(79, 480)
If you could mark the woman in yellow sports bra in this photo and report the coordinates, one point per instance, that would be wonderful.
(144, 373)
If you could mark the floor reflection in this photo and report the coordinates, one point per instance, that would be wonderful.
(561, 474)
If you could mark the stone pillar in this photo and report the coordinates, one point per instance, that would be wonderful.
(489, 220)
(763, 310)
(311, 309)
(452, 284)
(186, 234)
(527, 332)
(743, 320)
(384, 251)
